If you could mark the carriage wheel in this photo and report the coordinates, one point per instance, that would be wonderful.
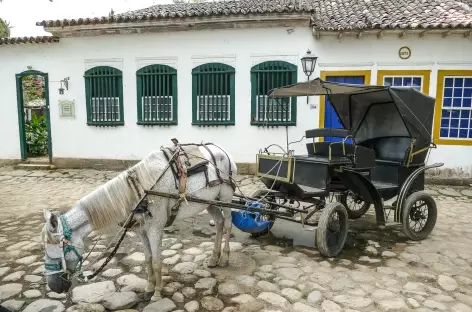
(332, 229)
(355, 206)
(267, 217)
(419, 215)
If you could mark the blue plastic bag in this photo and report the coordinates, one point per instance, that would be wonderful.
(248, 221)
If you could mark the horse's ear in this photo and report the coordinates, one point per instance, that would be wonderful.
(47, 215)
(51, 219)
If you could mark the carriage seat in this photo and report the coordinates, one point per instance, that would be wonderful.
(390, 150)
(365, 157)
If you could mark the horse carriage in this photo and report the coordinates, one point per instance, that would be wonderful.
(380, 154)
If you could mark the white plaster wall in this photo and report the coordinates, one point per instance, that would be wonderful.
(9, 137)
(185, 50)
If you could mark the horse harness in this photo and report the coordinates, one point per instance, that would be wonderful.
(184, 160)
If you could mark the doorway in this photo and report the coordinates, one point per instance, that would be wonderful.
(32, 88)
(328, 116)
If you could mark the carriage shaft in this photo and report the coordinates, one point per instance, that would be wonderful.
(271, 203)
(218, 203)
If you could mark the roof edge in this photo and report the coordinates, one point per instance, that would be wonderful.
(29, 40)
(400, 32)
(185, 23)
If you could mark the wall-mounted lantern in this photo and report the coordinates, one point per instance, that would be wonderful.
(64, 81)
(308, 64)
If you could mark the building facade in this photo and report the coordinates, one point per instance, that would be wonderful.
(139, 79)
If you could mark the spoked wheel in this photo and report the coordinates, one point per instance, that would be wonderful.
(355, 206)
(332, 229)
(419, 215)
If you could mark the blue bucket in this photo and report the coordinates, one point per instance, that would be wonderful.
(248, 221)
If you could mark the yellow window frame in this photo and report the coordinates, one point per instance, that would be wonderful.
(426, 74)
(438, 108)
(323, 74)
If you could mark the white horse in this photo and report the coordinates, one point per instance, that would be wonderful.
(113, 202)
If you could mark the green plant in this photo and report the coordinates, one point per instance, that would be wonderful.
(37, 136)
(33, 88)
(5, 28)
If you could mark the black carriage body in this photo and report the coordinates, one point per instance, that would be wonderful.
(391, 132)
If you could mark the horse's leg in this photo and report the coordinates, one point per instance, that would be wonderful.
(215, 212)
(148, 259)
(155, 233)
(227, 196)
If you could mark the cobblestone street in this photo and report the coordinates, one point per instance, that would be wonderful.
(379, 270)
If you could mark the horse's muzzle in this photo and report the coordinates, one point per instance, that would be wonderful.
(60, 283)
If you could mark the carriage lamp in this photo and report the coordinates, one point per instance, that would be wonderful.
(309, 63)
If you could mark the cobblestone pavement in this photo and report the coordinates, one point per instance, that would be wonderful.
(379, 270)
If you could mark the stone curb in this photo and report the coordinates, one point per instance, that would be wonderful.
(448, 181)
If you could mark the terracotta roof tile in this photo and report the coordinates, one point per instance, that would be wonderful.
(205, 9)
(385, 14)
(327, 14)
(27, 40)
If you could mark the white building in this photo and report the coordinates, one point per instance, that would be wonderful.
(138, 79)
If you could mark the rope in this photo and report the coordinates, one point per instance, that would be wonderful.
(79, 273)
(91, 250)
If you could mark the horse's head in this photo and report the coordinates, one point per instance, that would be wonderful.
(63, 252)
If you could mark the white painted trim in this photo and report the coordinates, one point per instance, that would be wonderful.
(454, 63)
(405, 64)
(171, 61)
(257, 58)
(113, 62)
(228, 59)
(362, 64)
(387, 32)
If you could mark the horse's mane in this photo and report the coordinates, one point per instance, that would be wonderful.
(112, 202)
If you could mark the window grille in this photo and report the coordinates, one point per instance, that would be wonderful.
(104, 96)
(456, 110)
(265, 77)
(213, 94)
(157, 95)
(404, 81)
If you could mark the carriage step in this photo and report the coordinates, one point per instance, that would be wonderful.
(311, 191)
(34, 167)
(384, 185)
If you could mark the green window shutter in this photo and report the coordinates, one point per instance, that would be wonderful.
(157, 95)
(272, 112)
(213, 98)
(104, 96)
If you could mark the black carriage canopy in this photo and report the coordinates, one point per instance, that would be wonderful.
(371, 112)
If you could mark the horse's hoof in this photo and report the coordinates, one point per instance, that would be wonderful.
(224, 260)
(212, 262)
(155, 298)
(150, 288)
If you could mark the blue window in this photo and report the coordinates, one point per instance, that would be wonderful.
(456, 116)
(404, 81)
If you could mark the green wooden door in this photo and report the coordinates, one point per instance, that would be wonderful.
(21, 111)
